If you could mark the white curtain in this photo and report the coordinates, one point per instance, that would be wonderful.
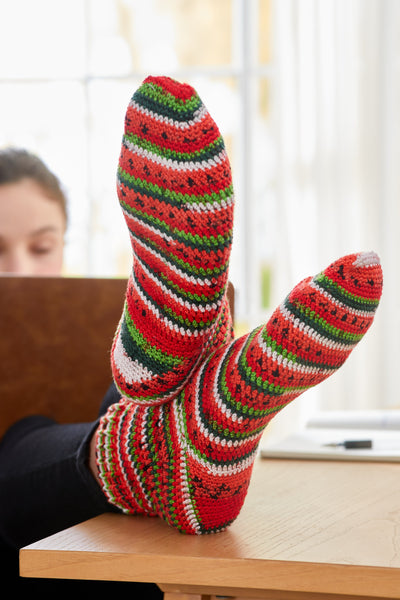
(337, 103)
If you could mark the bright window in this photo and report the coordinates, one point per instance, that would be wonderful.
(68, 70)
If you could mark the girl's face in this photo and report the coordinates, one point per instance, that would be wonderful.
(32, 228)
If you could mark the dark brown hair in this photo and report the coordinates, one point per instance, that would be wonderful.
(17, 164)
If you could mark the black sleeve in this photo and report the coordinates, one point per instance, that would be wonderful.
(45, 481)
(45, 487)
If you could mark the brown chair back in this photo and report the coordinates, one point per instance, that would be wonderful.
(55, 339)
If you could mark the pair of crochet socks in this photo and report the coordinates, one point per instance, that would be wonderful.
(181, 442)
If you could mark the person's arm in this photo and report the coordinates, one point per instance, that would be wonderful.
(46, 480)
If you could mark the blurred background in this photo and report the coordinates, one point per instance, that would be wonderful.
(306, 94)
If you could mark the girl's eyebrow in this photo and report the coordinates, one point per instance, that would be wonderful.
(45, 229)
(38, 232)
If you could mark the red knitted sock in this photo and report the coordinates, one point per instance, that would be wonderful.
(175, 191)
(190, 461)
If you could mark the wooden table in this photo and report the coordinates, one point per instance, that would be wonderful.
(308, 531)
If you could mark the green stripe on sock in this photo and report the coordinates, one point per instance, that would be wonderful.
(138, 347)
(196, 241)
(342, 295)
(206, 153)
(169, 196)
(189, 269)
(163, 103)
(320, 325)
(291, 356)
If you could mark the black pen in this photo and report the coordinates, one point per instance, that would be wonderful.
(352, 444)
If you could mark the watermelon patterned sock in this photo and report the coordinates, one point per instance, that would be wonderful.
(190, 461)
(175, 191)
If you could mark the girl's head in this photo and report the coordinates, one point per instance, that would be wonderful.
(33, 216)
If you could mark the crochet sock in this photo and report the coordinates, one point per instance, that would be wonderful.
(175, 190)
(190, 461)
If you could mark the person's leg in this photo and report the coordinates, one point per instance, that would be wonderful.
(45, 483)
(190, 461)
(46, 486)
(175, 191)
